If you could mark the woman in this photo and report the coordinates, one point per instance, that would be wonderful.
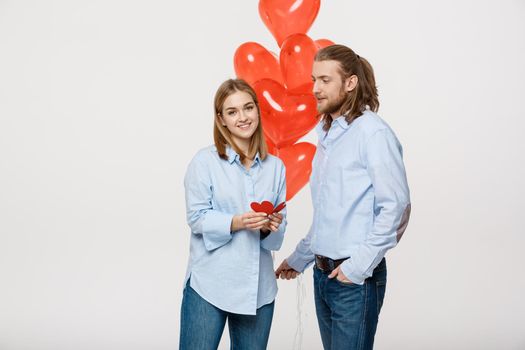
(230, 272)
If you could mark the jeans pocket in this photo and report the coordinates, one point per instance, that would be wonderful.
(345, 284)
(380, 293)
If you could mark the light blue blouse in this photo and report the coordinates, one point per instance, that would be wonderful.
(233, 271)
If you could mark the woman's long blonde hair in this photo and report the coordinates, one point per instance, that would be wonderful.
(222, 136)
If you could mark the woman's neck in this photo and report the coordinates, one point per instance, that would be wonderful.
(244, 146)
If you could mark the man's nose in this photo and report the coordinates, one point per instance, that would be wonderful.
(315, 88)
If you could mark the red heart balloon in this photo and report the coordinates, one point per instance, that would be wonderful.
(286, 17)
(286, 117)
(322, 43)
(298, 162)
(297, 59)
(252, 62)
(263, 207)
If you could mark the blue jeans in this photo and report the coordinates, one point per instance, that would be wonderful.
(348, 313)
(202, 324)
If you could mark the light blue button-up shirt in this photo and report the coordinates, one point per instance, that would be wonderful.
(360, 196)
(233, 271)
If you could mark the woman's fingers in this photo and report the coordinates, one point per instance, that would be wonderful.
(252, 218)
(276, 217)
(256, 215)
(275, 221)
(256, 222)
(255, 226)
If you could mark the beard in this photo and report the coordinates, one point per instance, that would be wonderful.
(334, 106)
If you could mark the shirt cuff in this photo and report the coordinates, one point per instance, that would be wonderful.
(273, 241)
(216, 229)
(349, 271)
(298, 262)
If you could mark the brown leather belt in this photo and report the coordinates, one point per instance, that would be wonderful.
(327, 265)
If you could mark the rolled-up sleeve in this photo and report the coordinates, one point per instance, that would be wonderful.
(391, 205)
(203, 219)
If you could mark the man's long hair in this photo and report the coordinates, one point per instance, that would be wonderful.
(364, 96)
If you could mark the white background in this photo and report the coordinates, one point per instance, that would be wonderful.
(103, 103)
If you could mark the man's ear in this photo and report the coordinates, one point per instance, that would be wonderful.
(351, 83)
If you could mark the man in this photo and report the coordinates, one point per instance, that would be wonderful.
(360, 198)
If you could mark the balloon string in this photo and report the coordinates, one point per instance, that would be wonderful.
(300, 294)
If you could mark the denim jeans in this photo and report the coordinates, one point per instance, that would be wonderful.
(202, 325)
(348, 313)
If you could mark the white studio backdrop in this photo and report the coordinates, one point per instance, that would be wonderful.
(103, 103)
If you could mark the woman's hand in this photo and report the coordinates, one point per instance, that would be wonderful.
(249, 220)
(275, 220)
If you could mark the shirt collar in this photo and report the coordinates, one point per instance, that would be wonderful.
(341, 120)
(233, 156)
(257, 159)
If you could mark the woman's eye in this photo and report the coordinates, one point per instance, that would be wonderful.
(249, 108)
(231, 113)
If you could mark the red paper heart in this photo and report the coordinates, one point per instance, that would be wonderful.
(298, 162)
(286, 17)
(263, 207)
(279, 207)
(267, 207)
(286, 117)
(296, 60)
(252, 62)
